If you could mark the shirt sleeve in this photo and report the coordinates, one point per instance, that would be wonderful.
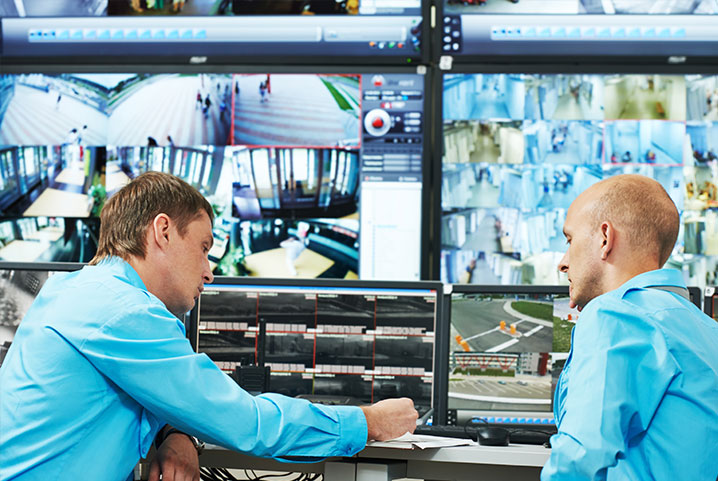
(619, 372)
(145, 353)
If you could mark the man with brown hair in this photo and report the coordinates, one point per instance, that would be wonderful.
(101, 363)
(637, 397)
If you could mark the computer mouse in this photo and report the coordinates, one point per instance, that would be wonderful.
(492, 436)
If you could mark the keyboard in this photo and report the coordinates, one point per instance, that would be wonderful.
(516, 436)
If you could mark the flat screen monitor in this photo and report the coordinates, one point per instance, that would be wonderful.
(505, 343)
(312, 172)
(517, 148)
(19, 285)
(577, 30)
(365, 340)
(226, 31)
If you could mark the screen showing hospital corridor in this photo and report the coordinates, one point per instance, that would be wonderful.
(368, 343)
(295, 165)
(518, 148)
(502, 347)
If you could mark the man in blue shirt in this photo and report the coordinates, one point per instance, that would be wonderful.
(101, 362)
(638, 396)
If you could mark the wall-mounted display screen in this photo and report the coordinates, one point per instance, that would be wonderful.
(518, 148)
(310, 174)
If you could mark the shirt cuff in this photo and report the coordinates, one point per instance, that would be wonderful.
(353, 430)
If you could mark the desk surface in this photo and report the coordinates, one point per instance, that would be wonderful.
(515, 462)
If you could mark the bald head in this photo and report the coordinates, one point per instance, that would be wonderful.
(638, 207)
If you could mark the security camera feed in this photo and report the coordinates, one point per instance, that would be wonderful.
(39, 109)
(645, 7)
(504, 7)
(702, 97)
(651, 142)
(48, 239)
(499, 348)
(564, 97)
(645, 97)
(18, 289)
(51, 181)
(606, 7)
(296, 110)
(509, 177)
(115, 109)
(279, 212)
(368, 343)
(253, 7)
(486, 322)
(55, 8)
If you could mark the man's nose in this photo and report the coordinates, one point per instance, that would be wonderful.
(563, 264)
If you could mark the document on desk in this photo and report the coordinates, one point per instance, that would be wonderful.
(421, 441)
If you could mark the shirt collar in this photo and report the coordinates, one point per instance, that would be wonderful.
(122, 269)
(659, 277)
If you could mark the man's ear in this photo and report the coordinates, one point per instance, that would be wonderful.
(608, 237)
(161, 230)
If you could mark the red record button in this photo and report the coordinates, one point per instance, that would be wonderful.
(377, 123)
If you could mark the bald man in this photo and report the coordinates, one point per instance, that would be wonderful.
(638, 396)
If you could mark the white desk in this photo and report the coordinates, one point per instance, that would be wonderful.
(512, 463)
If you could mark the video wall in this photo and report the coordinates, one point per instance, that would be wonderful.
(518, 148)
(296, 166)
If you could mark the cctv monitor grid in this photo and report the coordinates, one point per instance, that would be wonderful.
(518, 148)
(362, 342)
(284, 180)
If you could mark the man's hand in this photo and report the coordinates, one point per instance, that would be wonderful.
(390, 418)
(176, 459)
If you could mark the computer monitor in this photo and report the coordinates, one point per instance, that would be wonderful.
(212, 32)
(518, 147)
(20, 282)
(366, 340)
(312, 171)
(503, 342)
(505, 31)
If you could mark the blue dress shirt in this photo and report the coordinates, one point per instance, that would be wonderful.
(99, 365)
(638, 396)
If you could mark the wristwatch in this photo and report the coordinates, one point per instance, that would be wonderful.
(198, 445)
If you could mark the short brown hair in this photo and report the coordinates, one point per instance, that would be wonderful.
(127, 214)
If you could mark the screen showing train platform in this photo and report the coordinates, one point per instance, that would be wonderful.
(310, 175)
(518, 148)
(502, 346)
(368, 343)
(258, 29)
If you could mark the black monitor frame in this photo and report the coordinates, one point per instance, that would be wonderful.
(440, 329)
(42, 266)
(449, 290)
(434, 239)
